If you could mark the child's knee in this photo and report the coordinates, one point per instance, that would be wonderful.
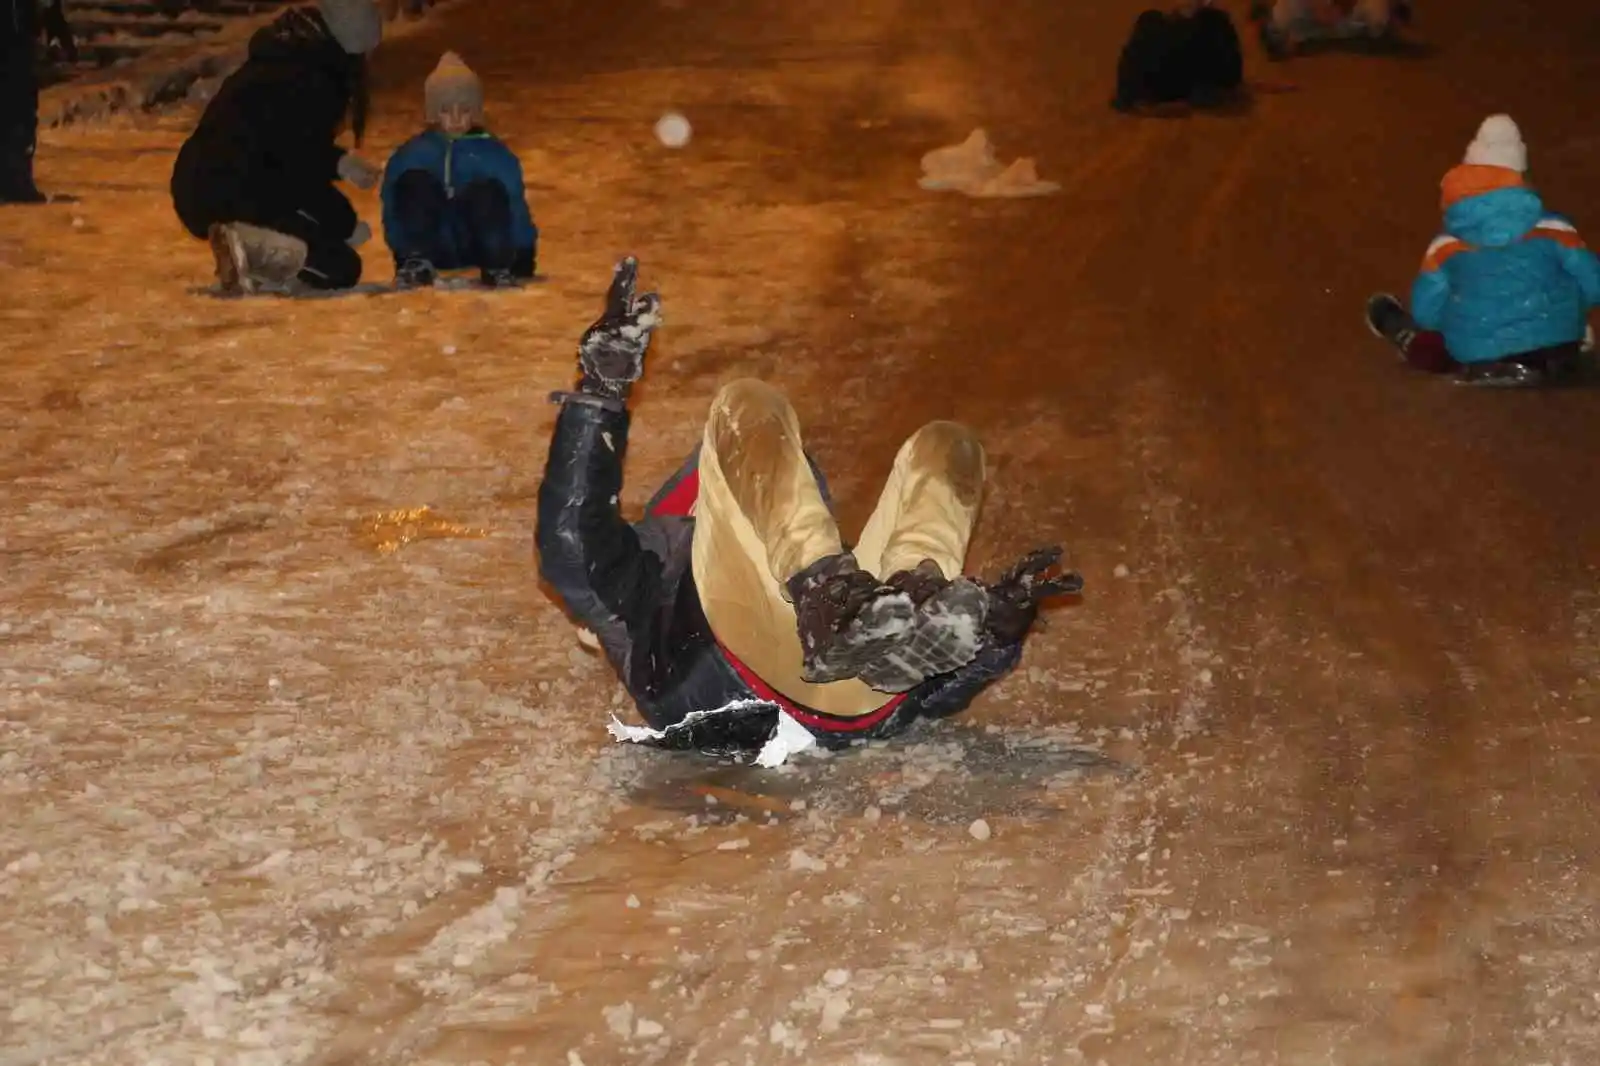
(418, 182)
(950, 449)
(485, 191)
(750, 399)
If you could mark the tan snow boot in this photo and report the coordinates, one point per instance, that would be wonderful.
(251, 259)
(226, 258)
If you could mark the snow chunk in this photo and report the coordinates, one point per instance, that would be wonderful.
(971, 168)
(799, 860)
(790, 738)
(619, 1020)
(27, 864)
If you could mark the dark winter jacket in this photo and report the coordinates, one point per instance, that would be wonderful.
(1506, 277)
(19, 23)
(270, 130)
(633, 586)
(23, 21)
(458, 162)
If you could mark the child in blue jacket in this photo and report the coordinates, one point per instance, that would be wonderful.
(1504, 293)
(453, 196)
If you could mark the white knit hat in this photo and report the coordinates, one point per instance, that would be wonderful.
(1498, 144)
(452, 84)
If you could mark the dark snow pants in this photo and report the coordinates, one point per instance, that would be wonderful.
(471, 229)
(19, 117)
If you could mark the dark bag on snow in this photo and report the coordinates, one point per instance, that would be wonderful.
(1175, 58)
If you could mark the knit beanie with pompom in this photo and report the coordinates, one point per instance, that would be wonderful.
(1498, 144)
(452, 84)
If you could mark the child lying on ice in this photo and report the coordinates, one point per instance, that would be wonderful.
(733, 611)
(1505, 291)
(453, 195)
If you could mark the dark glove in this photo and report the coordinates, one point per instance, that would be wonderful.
(1014, 599)
(611, 353)
(58, 33)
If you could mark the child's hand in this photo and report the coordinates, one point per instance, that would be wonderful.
(611, 353)
(1014, 599)
(359, 172)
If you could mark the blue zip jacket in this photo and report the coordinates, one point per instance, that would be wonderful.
(1506, 277)
(457, 162)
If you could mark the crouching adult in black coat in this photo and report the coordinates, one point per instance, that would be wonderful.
(1190, 55)
(257, 177)
(733, 604)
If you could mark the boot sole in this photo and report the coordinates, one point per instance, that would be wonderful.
(1384, 299)
(949, 630)
(1381, 299)
(881, 626)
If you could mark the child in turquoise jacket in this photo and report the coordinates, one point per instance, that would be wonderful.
(1505, 290)
(453, 196)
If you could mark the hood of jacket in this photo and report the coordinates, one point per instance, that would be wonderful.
(1489, 207)
(298, 36)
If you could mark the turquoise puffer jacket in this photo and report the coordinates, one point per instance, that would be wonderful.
(1506, 278)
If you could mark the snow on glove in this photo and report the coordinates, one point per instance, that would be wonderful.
(611, 353)
(1014, 599)
(358, 172)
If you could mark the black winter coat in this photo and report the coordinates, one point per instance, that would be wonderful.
(19, 23)
(268, 135)
(632, 585)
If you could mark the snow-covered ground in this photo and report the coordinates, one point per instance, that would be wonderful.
(271, 766)
(295, 772)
